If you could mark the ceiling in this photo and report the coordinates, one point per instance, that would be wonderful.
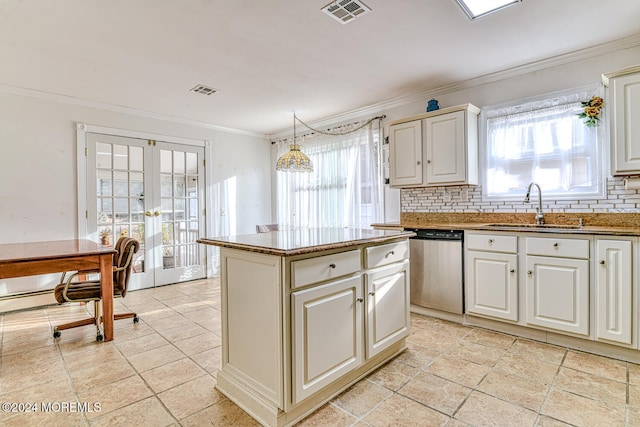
(270, 58)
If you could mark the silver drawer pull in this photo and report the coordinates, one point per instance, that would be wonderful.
(555, 245)
(529, 272)
(372, 293)
(360, 299)
(512, 271)
(332, 265)
(602, 262)
(490, 241)
(389, 253)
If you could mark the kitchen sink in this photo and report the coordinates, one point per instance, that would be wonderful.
(539, 226)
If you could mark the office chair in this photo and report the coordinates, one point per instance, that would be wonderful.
(266, 228)
(89, 290)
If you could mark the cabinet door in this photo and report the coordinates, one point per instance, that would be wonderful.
(557, 293)
(387, 306)
(625, 127)
(405, 154)
(326, 333)
(613, 291)
(492, 284)
(445, 145)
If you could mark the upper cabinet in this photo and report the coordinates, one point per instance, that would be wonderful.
(435, 148)
(405, 154)
(624, 108)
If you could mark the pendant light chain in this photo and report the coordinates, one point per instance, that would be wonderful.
(337, 133)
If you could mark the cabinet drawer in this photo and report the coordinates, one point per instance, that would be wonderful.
(378, 256)
(322, 268)
(566, 248)
(492, 243)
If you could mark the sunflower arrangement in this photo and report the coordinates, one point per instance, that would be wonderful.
(591, 111)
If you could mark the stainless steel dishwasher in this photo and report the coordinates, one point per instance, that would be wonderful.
(437, 279)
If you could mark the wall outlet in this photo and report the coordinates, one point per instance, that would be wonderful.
(464, 195)
(446, 196)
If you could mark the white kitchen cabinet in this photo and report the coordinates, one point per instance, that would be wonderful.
(623, 104)
(492, 276)
(405, 154)
(449, 145)
(387, 306)
(435, 148)
(492, 284)
(557, 284)
(327, 334)
(613, 291)
(298, 330)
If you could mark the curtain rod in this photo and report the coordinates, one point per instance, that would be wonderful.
(315, 131)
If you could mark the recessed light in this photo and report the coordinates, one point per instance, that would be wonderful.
(478, 8)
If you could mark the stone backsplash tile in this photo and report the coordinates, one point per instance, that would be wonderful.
(468, 199)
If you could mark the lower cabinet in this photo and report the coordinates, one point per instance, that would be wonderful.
(613, 291)
(557, 294)
(492, 284)
(327, 329)
(585, 286)
(387, 306)
(298, 330)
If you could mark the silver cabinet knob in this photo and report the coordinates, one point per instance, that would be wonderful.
(512, 270)
(555, 245)
(360, 299)
(419, 162)
(602, 262)
(332, 265)
(490, 241)
(529, 272)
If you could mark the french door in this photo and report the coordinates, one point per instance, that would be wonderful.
(154, 192)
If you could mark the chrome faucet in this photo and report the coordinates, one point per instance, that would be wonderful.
(539, 215)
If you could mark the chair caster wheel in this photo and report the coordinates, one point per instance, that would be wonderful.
(57, 334)
(136, 319)
(99, 338)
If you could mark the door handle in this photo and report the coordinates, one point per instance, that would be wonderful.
(147, 213)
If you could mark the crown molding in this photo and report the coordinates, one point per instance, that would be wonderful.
(554, 61)
(356, 114)
(65, 99)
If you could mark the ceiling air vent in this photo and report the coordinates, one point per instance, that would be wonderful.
(345, 11)
(205, 90)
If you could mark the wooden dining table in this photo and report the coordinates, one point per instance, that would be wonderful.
(34, 258)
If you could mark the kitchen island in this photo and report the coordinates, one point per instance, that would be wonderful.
(306, 313)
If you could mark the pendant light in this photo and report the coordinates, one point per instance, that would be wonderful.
(294, 160)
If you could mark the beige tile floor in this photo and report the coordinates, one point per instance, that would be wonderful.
(162, 372)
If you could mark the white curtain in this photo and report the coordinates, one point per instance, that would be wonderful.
(543, 141)
(345, 187)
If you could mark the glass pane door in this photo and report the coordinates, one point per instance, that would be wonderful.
(151, 191)
(181, 219)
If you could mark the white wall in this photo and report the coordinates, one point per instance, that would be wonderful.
(569, 72)
(38, 196)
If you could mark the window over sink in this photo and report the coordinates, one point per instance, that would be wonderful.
(543, 140)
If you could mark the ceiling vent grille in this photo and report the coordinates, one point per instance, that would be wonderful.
(205, 90)
(345, 11)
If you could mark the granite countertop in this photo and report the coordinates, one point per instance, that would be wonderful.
(606, 224)
(303, 241)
